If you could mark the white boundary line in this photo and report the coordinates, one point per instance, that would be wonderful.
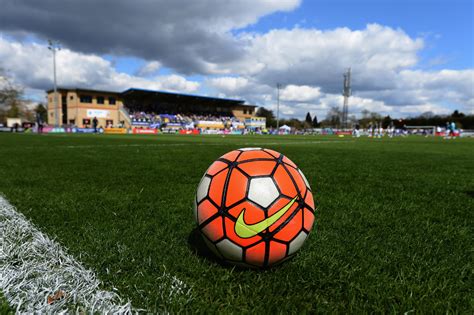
(33, 267)
(80, 146)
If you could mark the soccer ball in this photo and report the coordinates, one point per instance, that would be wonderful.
(254, 207)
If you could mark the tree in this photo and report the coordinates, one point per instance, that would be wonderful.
(427, 115)
(365, 114)
(334, 116)
(375, 116)
(387, 120)
(294, 123)
(308, 119)
(11, 102)
(42, 112)
(268, 114)
(457, 114)
(315, 123)
(14, 111)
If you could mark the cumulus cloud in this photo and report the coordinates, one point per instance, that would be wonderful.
(229, 85)
(301, 93)
(310, 63)
(208, 37)
(149, 68)
(189, 36)
(318, 58)
(30, 64)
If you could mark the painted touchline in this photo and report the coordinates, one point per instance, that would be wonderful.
(34, 267)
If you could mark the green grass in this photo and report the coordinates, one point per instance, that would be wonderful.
(4, 307)
(393, 233)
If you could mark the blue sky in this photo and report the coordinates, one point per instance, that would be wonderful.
(408, 57)
(447, 26)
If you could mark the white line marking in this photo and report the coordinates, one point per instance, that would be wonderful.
(237, 144)
(33, 267)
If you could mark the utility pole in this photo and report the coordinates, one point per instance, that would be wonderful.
(278, 106)
(346, 92)
(54, 47)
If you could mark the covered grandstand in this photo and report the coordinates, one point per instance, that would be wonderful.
(147, 109)
(139, 100)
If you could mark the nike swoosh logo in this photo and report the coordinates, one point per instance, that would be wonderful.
(245, 230)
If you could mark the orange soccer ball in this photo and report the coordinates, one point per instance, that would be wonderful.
(254, 207)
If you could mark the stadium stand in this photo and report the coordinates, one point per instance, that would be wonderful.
(138, 108)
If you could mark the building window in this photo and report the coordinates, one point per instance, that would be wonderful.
(86, 121)
(100, 100)
(111, 100)
(245, 111)
(85, 98)
(71, 97)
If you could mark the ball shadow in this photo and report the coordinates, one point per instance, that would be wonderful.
(199, 248)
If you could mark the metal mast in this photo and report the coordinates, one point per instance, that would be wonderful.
(346, 93)
(278, 106)
(54, 47)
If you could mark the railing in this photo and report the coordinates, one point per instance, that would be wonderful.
(126, 116)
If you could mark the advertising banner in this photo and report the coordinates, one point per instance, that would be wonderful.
(115, 130)
(99, 113)
(344, 133)
(189, 132)
(55, 130)
(140, 123)
(145, 131)
(87, 130)
(210, 124)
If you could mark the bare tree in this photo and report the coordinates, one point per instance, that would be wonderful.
(334, 116)
(11, 98)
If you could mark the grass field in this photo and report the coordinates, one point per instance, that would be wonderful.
(393, 233)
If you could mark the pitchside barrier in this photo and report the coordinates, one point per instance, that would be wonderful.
(189, 132)
(144, 131)
(116, 130)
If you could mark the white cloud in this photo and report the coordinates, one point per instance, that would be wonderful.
(30, 64)
(303, 93)
(229, 85)
(149, 68)
(193, 39)
(311, 62)
(318, 58)
(190, 36)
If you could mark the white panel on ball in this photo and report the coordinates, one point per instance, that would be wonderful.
(203, 188)
(297, 243)
(211, 247)
(229, 250)
(263, 191)
(304, 178)
(249, 149)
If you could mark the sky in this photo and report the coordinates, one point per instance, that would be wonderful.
(407, 57)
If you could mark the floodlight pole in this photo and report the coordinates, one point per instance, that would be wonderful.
(54, 46)
(278, 106)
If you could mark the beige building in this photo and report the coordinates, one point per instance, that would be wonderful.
(79, 106)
